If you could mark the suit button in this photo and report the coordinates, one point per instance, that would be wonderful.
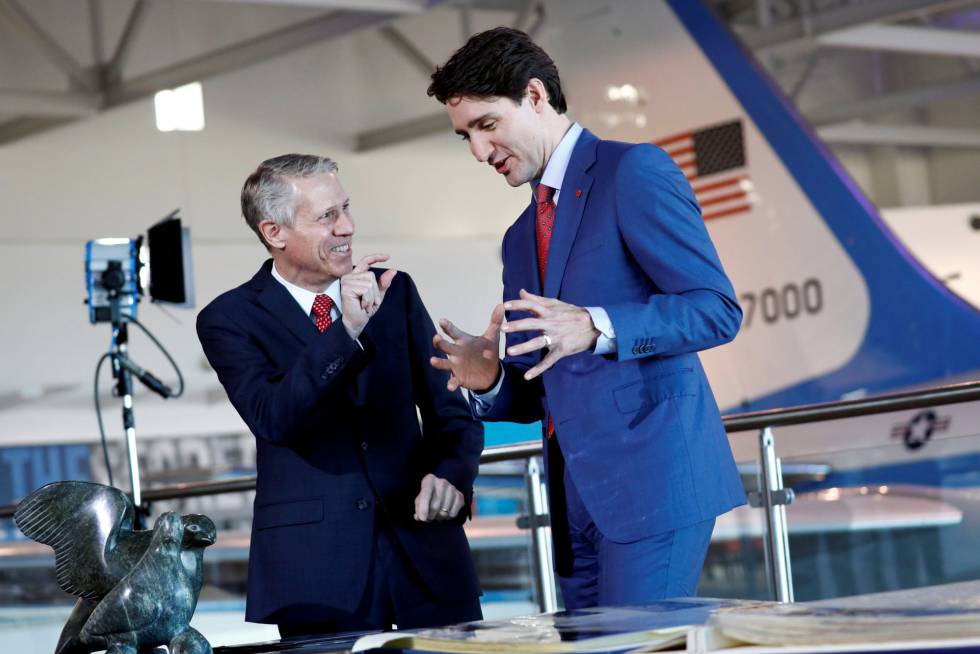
(362, 504)
(364, 445)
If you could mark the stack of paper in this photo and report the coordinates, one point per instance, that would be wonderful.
(931, 613)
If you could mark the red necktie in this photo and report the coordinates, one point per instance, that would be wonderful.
(322, 306)
(543, 226)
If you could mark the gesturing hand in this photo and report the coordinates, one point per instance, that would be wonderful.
(472, 361)
(361, 293)
(437, 500)
(565, 329)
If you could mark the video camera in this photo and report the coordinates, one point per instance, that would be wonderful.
(118, 271)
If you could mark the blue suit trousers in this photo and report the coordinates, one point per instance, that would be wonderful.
(607, 573)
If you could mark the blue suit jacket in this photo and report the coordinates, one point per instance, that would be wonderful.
(339, 440)
(639, 430)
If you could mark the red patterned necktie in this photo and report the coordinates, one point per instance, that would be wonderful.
(543, 226)
(322, 306)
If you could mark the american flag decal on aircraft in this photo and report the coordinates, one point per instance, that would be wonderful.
(713, 159)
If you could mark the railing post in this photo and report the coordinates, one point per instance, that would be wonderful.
(773, 499)
(545, 586)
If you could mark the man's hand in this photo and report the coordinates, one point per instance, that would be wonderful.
(565, 329)
(437, 500)
(472, 361)
(361, 293)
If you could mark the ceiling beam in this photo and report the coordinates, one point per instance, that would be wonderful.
(465, 21)
(902, 38)
(401, 132)
(49, 103)
(260, 48)
(416, 128)
(96, 31)
(382, 6)
(522, 14)
(408, 49)
(48, 44)
(897, 101)
(812, 25)
(18, 128)
(135, 21)
(861, 133)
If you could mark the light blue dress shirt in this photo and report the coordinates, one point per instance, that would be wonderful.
(553, 175)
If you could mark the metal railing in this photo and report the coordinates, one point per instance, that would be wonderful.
(771, 496)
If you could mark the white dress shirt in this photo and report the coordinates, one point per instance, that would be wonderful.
(306, 298)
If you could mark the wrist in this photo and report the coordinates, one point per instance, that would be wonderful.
(593, 331)
(352, 330)
(496, 379)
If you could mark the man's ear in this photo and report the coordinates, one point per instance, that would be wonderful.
(272, 232)
(537, 94)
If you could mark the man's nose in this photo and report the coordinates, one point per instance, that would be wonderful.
(481, 149)
(344, 225)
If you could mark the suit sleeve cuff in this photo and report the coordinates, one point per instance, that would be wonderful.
(482, 402)
(606, 343)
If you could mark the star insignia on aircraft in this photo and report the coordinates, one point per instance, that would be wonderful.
(916, 432)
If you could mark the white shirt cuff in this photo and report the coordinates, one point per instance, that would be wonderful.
(606, 343)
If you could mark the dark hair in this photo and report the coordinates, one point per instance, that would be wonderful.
(497, 63)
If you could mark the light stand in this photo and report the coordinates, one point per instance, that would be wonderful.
(124, 388)
(113, 269)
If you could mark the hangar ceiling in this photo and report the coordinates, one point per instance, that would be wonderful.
(63, 60)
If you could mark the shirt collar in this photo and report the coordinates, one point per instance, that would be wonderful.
(554, 171)
(304, 297)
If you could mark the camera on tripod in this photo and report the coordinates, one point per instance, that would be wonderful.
(118, 271)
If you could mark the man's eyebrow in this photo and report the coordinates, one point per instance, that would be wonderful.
(479, 119)
(343, 203)
(473, 122)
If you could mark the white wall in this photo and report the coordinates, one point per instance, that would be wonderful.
(438, 213)
(427, 203)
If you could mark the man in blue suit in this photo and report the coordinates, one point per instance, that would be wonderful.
(611, 287)
(358, 507)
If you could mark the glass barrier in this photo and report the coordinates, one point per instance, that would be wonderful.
(882, 502)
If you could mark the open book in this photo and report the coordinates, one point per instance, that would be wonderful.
(950, 611)
(651, 627)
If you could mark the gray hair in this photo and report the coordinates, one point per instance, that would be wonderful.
(267, 193)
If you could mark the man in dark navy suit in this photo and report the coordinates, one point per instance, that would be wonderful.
(358, 507)
(612, 286)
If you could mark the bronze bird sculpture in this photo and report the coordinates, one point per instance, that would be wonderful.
(137, 590)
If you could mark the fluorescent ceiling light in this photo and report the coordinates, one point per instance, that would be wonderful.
(180, 109)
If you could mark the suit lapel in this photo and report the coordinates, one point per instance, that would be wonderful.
(571, 204)
(274, 297)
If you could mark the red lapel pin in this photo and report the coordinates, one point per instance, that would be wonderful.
(578, 192)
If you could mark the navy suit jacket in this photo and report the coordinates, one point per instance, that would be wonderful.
(639, 429)
(339, 440)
